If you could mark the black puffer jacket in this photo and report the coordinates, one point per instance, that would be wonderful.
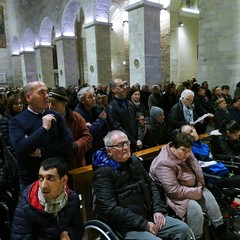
(32, 222)
(127, 197)
(224, 145)
(121, 116)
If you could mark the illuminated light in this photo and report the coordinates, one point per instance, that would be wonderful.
(133, 1)
(57, 34)
(165, 3)
(45, 44)
(101, 19)
(124, 62)
(15, 53)
(180, 24)
(68, 34)
(189, 10)
(29, 49)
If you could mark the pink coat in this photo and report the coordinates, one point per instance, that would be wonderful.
(181, 180)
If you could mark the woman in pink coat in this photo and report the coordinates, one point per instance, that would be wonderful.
(181, 178)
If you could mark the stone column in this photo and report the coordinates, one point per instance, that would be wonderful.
(44, 62)
(98, 53)
(144, 40)
(29, 70)
(68, 71)
(17, 71)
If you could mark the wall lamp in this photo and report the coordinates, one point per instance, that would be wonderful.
(180, 24)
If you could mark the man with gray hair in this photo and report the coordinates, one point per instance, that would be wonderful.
(95, 119)
(183, 113)
(127, 197)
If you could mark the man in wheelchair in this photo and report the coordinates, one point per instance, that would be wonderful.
(127, 197)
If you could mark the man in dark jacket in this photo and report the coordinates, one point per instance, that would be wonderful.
(127, 197)
(37, 133)
(48, 209)
(121, 115)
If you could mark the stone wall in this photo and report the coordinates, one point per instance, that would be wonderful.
(219, 42)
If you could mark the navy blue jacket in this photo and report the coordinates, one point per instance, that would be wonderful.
(27, 134)
(31, 222)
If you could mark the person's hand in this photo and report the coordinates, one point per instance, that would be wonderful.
(159, 220)
(88, 124)
(103, 115)
(64, 236)
(152, 228)
(36, 153)
(47, 121)
(139, 144)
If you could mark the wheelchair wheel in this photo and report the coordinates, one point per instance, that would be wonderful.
(106, 233)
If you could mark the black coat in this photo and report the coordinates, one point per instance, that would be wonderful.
(123, 118)
(127, 197)
(176, 117)
(224, 145)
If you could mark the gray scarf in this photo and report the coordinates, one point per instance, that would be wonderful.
(54, 205)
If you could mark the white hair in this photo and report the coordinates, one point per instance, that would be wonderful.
(82, 92)
(186, 93)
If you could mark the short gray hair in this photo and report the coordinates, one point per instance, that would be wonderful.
(186, 93)
(108, 138)
(82, 92)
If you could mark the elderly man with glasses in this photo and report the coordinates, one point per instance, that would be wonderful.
(127, 197)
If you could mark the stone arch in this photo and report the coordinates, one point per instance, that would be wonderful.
(16, 47)
(28, 40)
(69, 17)
(45, 32)
(102, 10)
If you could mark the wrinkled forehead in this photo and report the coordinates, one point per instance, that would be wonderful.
(118, 137)
(188, 129)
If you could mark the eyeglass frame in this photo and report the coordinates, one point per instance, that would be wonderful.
(120, 145)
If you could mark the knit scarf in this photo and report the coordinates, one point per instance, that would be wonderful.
(53, 205)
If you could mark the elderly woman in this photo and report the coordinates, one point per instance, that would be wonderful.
(183, 113)
(181, 177)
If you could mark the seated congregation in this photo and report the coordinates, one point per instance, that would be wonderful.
(104, 127)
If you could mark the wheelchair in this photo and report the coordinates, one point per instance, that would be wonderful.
(225, 198)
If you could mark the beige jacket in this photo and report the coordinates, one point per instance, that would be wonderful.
(181, 180)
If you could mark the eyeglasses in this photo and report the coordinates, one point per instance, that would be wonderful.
(122, 86)
(120, 145)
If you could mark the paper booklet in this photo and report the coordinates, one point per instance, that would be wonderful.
(202, 117)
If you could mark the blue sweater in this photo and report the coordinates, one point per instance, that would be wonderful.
(27, 134)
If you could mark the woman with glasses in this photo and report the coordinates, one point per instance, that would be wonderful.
(181, 177)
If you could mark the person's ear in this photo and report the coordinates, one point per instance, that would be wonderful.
(65, 179)
(108, 152)
(28, 96)
(228, 133)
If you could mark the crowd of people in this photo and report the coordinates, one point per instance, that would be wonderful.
(103, 126)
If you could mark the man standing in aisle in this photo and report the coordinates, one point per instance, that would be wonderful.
(37, 133)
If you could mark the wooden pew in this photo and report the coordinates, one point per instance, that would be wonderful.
(82, 177)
